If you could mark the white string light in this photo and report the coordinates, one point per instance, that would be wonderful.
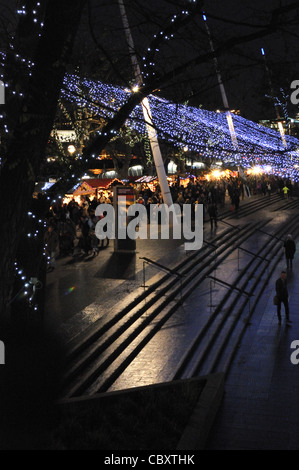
(204, 132)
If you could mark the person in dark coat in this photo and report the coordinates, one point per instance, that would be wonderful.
(213, 213)
(85, 226)
(236, 199)
(282, 297)
(290, 249)
(51, 240)
(67, 236)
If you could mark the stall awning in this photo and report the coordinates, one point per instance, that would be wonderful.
(146, 179)
(91, 185)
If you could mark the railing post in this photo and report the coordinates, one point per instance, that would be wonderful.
(162, 268)
(144, 275)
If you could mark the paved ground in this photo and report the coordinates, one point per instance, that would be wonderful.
(260, 409)
(261, 404)
(81, 290)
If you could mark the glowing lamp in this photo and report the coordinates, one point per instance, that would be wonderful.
(257, 170)
(71, 149)
(216, 174)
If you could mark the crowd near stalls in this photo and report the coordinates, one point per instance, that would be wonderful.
(218, 189)
(71, 222)
(74, 223)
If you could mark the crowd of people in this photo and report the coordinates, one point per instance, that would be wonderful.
(71, 227)
(205, 192)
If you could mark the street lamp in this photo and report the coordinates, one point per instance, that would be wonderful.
(71, 149)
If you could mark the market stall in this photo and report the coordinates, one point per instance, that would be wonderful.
(93, 188)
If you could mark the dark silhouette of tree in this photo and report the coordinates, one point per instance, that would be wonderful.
(30, 119)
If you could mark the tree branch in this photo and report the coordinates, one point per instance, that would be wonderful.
(118, 120)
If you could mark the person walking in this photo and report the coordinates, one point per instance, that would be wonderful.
(269, 189)
(236, 199)
(290, 249)
(282, 297)
(285, 191)
(213, 213)
(85, 226)
(51, 240)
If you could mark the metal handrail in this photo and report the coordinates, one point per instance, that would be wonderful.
(161, 266)
(236, 227)
(270, 235)
(230, 286)
(251, 253)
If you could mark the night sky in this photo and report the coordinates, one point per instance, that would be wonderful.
(242, 68)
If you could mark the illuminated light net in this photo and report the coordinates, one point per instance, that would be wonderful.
(205, 133)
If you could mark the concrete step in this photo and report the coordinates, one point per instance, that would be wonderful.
(161, 305)
(208, 347)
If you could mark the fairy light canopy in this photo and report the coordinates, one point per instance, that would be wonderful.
(204, 133)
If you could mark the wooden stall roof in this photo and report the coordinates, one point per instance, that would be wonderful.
(90, 185)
